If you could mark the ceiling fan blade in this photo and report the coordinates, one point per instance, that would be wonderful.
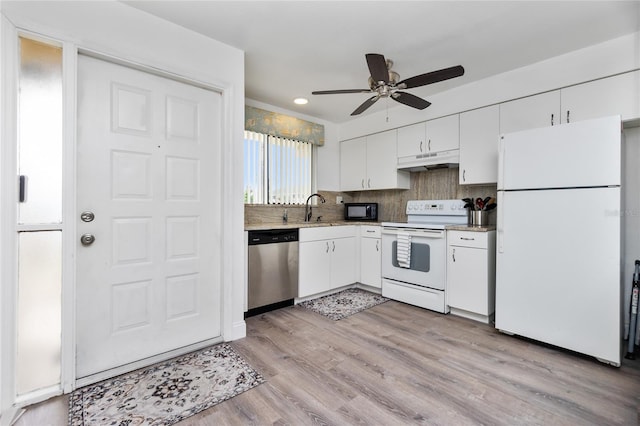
(336, 92)
(410, 100)
(431, 77)
(377, 67)
(365, 105)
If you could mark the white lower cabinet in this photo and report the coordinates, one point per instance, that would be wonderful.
(471, 274)
(327, 259)
(370, 257)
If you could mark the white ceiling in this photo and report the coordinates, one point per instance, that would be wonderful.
(295, 47)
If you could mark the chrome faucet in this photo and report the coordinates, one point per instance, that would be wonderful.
(307, 207)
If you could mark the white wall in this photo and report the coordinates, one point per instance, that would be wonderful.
(328, 166)
(611, 57)
(115, 29)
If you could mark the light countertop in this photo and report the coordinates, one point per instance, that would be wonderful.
(471, 228)
(292, 225)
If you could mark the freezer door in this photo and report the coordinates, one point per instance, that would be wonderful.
(581, 154)
(558, 268)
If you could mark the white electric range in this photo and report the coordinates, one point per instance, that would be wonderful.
(414, 253)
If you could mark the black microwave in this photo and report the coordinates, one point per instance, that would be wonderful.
(361, 211)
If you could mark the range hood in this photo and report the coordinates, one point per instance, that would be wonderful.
(429, 161)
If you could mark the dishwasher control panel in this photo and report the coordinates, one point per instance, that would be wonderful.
(271, 236)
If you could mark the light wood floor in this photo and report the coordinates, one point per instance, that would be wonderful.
(397, 364)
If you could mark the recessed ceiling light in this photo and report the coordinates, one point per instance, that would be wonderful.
(301, 101)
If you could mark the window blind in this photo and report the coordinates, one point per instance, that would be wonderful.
(276, 170)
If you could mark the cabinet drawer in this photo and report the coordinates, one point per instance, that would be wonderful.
(370, 231)
(327, 232)
(468, 239)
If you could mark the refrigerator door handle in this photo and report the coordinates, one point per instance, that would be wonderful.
(500, 223)
(501, 163)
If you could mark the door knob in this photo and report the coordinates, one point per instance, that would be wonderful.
(87, 216)
(87, 239)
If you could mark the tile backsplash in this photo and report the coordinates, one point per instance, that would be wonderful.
(438, 184)
(428, 185)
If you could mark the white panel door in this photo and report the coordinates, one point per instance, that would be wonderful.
(558, 268)
(148, 165)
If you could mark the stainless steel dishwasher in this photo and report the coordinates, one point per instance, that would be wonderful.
(273, 269)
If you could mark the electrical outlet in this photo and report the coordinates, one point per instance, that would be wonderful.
(338, 200)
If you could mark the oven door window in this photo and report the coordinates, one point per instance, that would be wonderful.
(420, 256)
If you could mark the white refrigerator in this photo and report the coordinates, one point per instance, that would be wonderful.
(558, 236)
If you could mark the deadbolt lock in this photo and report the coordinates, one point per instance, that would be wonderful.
(87, 216)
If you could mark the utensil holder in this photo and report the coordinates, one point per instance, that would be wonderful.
(479, 218)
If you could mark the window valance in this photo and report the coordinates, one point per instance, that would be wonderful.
(271, 123)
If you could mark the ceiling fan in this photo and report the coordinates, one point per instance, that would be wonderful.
(384, 83)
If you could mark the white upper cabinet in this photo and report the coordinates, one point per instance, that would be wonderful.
(443, 134)
(353, 164)
(479, 136)
(382, 171)
(412, 140)
(528, 113)
(617, 95)
(370, 163)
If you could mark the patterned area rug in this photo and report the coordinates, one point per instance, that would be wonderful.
(344, 303)
(165, 393)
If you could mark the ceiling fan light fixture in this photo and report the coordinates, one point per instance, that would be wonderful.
(301, 101)
(384, 83)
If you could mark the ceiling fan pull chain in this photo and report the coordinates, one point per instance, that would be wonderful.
(387, 108)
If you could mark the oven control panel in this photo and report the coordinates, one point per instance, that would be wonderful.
(436, 207)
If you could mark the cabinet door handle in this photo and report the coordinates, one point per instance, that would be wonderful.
(467, 239)
(420, 146)
(568, 121)
(453, 255)
(369, 183)
(370, 231)
(378, 245)
(362, 183)
(552, 119)
(327, 247)
(464, 175)
(334, 246)
(429, 144)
